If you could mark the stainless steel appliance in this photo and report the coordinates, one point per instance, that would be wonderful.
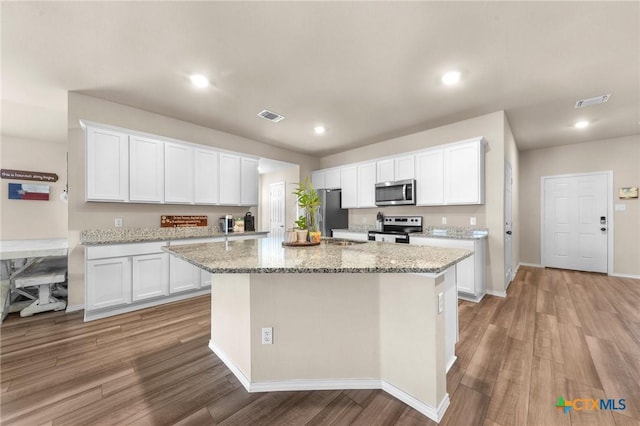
(226, 223)
(400, 192)
(332, 215)
(396, 229)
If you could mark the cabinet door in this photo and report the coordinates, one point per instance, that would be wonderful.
(150, 276)
(349, 178)
(367, 185)
(146, 166)
(430, 178)
(318, 179)
(178, 173)
(332, 179)
(108, 282)
(183, 275)
(229, 179)
(107, 165)
(462, 171)
(206, 177)
(249, 182)
(404, 167)
(205, 278)
(384, 171)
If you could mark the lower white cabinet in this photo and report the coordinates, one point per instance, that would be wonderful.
(350, 235)
(470, 272)
(108, 282)
(184, 276)
(150, 276)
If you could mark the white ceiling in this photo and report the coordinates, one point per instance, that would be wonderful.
(368, 71)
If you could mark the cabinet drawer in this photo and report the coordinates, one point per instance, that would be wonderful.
(117, 250)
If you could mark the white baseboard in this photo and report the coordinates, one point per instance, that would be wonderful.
(433, 413)
(615, 274)
(74, 308)
(497, 293)
(533, 265)
(451, 362)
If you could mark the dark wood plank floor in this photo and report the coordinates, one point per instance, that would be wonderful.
(557, 333)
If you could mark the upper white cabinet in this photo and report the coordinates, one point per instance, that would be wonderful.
(206, 176)
(327, 179)
(367, 185)
(396, 168)
(230, 182)
(464, 172)
(178, 173)
(318, 179)
(430, 177)
(349, 178)
(146, 169)
(249, 182)
(107, 165)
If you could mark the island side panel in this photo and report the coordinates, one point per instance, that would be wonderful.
(325, 328)
(230, 322)
(412, 336)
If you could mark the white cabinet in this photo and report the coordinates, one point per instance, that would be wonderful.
(349, 178)
(430, 177)
(183, 276)
(318, 179)
(404, 167)
(108, 282)
(205, 279)
(333, 179)
(350, 235)
(206, 176)
(150, 276)
(229, 179)
(248, 181)
(470, 272)
(384, 171)
(146, 170)
(107, 165)
(178, 173)
(367, 185)
(464, 173)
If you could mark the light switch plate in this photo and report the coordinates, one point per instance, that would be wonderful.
(621, 207)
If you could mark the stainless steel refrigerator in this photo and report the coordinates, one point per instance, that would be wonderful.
(332, 215)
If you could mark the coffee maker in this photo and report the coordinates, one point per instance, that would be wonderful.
(249, 222)
(226, 223)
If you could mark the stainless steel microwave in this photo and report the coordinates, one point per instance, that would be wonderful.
(401, 192)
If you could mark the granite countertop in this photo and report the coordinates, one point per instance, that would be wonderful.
(266, 255)
(137, 235)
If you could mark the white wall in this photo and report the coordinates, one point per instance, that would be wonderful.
(31, 219)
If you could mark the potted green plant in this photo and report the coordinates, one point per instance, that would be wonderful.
(309, 201)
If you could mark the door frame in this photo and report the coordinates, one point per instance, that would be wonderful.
(610, 220)
(511, 276)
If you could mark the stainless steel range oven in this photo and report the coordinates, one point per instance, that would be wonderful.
(396, 229)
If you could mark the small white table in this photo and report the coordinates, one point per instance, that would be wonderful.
(35, 252)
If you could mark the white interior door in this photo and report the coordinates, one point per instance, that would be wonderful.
(575, 222)
(508, 224)
(276, 209)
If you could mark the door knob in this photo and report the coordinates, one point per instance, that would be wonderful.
(508, 232)
(603, 229)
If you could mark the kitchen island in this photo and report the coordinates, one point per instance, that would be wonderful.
(340, 315)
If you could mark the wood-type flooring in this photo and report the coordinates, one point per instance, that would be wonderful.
(557, 333)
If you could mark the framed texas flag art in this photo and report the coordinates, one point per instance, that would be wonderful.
(22, 191)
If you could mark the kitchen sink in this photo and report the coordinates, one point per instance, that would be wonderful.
(340, 242)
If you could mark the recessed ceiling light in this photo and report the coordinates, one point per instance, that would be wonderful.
(199, 80)
(581, 124)
(451, 78)
(319, 130)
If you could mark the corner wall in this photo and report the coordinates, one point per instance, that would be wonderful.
(90, 215)
(622, 156)
(33, 219)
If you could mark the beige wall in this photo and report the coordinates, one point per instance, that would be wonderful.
(27, 219)
(620, 155)
(84, 215)
(490, 215)
(290, 177)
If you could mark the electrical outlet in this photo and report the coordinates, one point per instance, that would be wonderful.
(472, 221)
(267, 335)
(440, 302)
(444, 220)
(118, 222)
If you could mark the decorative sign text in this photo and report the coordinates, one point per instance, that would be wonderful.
(25, 175)
(182, 221)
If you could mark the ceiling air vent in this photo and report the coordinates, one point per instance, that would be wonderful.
(271, 116)
(593, 101)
